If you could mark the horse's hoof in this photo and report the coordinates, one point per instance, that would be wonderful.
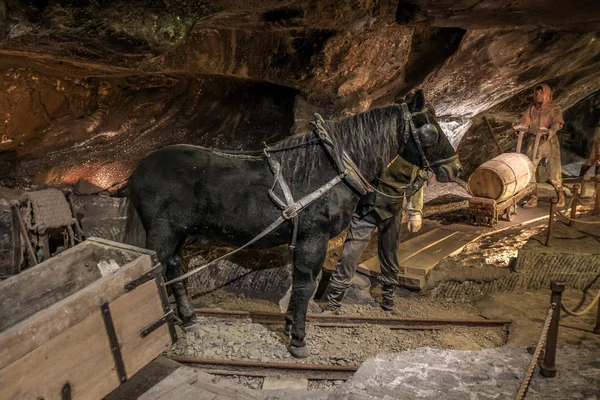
(189, 320)
(299, 352)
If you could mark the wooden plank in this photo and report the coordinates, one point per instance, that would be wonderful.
(131, 313)
(25, 336)
(181, 376)
(412, 281)
(80, 355)
(227, 390)
(45, 284)
(409, 249)
(423, 262)
(187, 392)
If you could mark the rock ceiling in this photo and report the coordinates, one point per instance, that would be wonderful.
(89, 87)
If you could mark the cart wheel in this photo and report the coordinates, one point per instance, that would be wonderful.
(511, 211)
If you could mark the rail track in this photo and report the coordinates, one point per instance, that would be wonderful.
(313, 371)
(350, 320)
(264, 369)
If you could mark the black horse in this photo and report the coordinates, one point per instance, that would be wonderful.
(183, 189)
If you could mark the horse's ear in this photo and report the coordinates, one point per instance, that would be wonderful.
(418, 100)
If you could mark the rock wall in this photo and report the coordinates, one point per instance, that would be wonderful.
(81, 82)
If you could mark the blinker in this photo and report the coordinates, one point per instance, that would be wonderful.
(428, 135)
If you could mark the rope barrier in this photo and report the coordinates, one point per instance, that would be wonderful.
(580, 313)
(560, 214)
(535, 358)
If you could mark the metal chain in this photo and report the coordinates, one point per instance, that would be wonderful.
(535, 358)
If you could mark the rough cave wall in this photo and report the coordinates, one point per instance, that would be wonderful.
(87, 88)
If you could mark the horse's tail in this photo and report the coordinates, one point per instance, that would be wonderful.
(134, 233)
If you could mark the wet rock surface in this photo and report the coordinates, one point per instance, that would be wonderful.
(490, 373)
(88, 88)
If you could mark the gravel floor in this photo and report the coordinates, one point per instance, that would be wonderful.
(244, 340)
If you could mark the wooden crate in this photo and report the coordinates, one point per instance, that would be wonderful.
(81, 323)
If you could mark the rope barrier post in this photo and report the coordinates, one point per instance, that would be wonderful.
(574, 202)
(548, 367)
(597, 193)
(553, 203)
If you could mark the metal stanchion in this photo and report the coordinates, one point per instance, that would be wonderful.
(553, 202)
(548, 366)
(574, 204)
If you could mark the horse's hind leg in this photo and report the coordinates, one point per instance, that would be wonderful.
(186, 313)
(308, 261)
(165, 239)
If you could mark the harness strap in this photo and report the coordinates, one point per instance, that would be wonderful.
(407, 116)
(290, 212)
(287, 193)
(353, 178)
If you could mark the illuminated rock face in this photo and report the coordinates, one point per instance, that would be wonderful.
(88, 88)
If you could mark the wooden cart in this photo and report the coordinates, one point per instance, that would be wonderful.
(495, 195)
(81, 323)
(484, 211)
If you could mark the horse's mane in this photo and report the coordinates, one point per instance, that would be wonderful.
(370, 138)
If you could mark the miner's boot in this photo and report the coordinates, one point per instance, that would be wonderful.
(561, 197)
(387, 293)
(533, 200)
(584, 169)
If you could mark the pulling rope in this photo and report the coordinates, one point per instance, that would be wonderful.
(535, 358)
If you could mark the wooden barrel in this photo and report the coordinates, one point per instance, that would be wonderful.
(502, 177)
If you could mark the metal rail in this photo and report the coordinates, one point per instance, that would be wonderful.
(263, 369)
(352, 320)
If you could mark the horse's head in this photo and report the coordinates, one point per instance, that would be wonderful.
(422, 141)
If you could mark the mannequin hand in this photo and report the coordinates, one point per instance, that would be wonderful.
(519, 127)
(414, 222)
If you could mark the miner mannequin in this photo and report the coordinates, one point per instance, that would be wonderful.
(384, 213)
(546, 116)
(594, 159)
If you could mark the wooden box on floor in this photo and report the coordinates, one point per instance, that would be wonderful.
(81, 323)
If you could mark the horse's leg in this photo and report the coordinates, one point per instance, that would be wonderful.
(186, 312)
(309, 256)
(165, 239)
(289, 317)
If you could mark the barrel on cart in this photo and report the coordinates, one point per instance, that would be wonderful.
(81, 323)
(497, 186)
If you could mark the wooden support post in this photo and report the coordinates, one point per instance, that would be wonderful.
(548, 366)
(574, 203)
(553, 202)
(24, 235)
(493, 135)
(597, 195)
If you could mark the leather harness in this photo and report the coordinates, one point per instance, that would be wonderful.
(347, 172)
